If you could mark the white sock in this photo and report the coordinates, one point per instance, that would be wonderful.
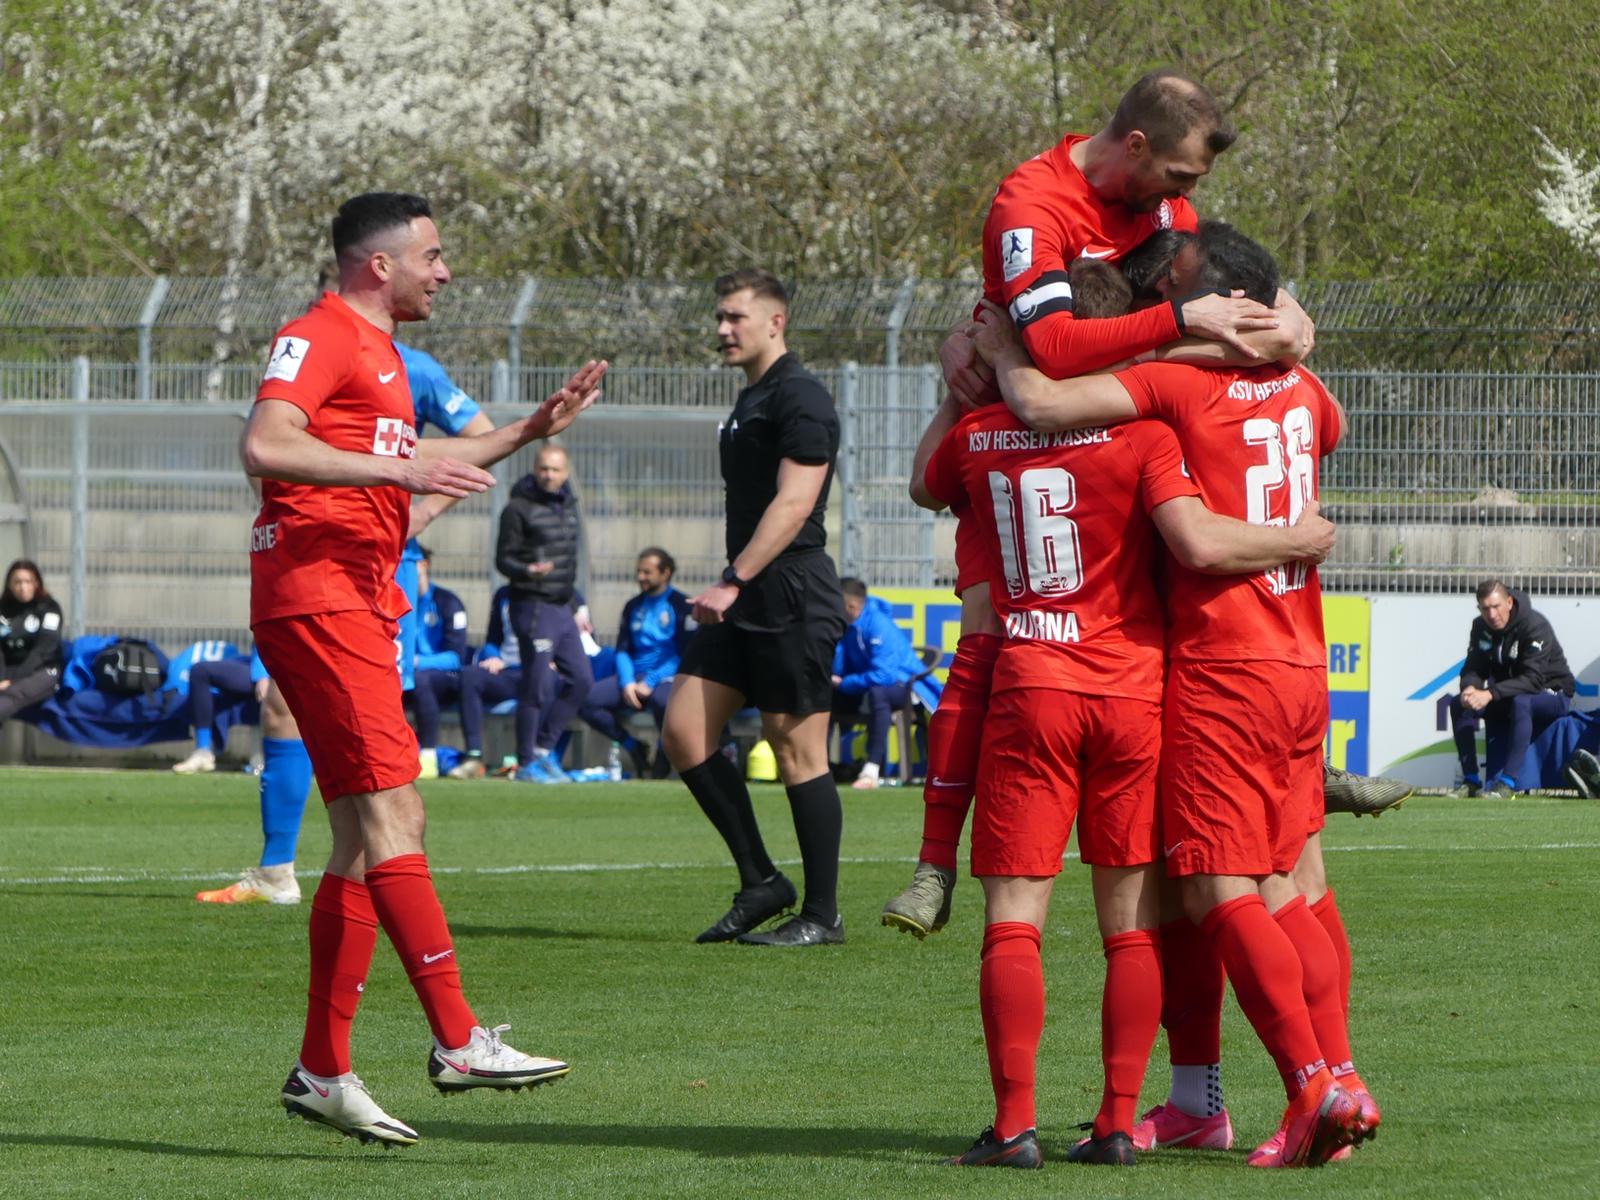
(1197, 1090)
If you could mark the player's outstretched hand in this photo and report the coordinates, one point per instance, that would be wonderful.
(1224, 318)
(1317, 533)
(442, 477)
(970, 379)
(567, 401)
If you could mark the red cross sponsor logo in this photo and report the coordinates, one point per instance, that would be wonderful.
(394, 438)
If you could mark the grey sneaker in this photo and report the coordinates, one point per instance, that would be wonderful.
(1343, 791)
(924, 907)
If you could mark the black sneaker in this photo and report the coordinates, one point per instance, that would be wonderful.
(1583, 772)
(799, 931)
(1113, 1150)
(989, 1151)
(752, 906)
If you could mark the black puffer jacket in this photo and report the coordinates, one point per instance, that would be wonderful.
(538, 526)
(1519, 660)
(30, 637)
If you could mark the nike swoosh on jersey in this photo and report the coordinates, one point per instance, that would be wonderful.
(382, 378)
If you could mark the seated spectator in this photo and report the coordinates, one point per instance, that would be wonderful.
(441, 621)
(30, 640)
(215, 669)
(873, 667)
(1515, 682)
(655, 629)
(495, 677)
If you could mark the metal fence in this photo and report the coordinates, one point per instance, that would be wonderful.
(138, 513)
(162, 326)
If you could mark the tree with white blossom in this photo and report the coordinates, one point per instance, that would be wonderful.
(1570, 196)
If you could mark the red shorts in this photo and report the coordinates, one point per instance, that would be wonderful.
(1042, 752)
(955, 732)
(337, 672)
(1241, 765)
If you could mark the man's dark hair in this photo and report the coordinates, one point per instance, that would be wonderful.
(852, 586)
(1167, 107)
(1099, 289)
(1489, 587)
(1229, 260)
(666, 562)
(374, 212)
(427, 555)
(1148, 263)
(760, 282)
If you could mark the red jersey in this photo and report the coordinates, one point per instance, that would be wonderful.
(1252, 438)
(1046, 216)
(1073, 548)
(317, 549)
(974, 556)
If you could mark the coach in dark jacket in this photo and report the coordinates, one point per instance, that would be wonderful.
(30, 640)
(537, 552)
(1516, 681)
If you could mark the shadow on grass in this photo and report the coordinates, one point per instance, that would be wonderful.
(718, 1141)
(536, 932)
(163, 1148)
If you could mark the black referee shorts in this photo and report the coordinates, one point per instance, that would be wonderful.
(775, 645)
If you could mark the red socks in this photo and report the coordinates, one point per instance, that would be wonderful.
(1327, 912)
(1130, 1011)
(1320, 975)
(1265, 971)
(954, 735)
(344, 931)
(1011, 995)
(408, 907)
(1192, 988)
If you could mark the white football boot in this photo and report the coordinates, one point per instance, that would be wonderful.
(258, 885)
(200, 762)
(343, 1103)
(487, 1062)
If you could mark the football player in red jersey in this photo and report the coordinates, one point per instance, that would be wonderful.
(1246, 697)
(1074, 721)
(331, 437)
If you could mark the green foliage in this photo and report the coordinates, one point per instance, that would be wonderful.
(149, 1034)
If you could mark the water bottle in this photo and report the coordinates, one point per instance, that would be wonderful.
(614, 763)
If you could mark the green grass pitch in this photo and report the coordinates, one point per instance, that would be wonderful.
(146, 1035)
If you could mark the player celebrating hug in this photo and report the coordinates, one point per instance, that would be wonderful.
(332, 439)
(1074, 724)
(1246, 697)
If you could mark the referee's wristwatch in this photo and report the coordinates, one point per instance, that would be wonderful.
(731, 578)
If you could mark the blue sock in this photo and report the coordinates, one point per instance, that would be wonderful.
(285, 785)
(1507, 780)
(1472, 779)
(202, 738)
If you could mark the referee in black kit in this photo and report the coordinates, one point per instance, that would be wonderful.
(768, 630)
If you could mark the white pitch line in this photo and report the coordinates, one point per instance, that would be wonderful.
(81, 875)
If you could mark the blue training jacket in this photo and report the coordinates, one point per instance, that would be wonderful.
(655, 632)
(876, 651)
(442, 640)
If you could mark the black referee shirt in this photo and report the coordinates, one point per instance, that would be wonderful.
(787, 413)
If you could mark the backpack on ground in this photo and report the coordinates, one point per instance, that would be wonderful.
(128, 667)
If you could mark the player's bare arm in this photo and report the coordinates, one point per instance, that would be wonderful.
(1039, 401)
(276, 445)
(799, 485)
(560, 410)
(944, 420)
(1212, 544)
(1288, 344)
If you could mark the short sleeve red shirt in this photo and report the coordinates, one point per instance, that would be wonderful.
(974, 555)
(317, 549)
(1045, 217)
(1073, 549)
(1253, 439)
